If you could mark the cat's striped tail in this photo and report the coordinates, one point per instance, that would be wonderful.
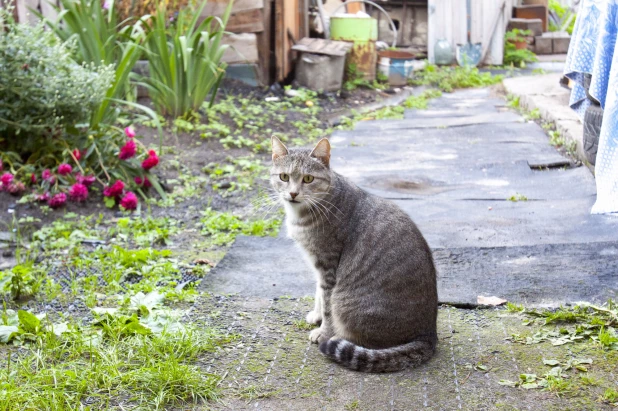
(363, 359)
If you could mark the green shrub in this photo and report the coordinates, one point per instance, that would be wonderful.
(42, 89)
(100, 40)
(185, 59)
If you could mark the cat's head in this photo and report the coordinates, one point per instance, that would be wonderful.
(301, 177)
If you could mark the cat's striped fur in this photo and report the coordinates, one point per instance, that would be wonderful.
(376, 297)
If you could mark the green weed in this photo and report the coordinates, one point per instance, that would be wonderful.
(450, 78)
(222, 228)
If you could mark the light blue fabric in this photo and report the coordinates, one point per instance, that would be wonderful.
(593, 50)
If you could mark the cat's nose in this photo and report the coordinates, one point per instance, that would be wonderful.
(293, 195)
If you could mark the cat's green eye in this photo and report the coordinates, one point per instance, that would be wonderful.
(307, 179)
(284, 177)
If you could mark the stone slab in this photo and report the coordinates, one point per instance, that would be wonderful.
(486, 118)
(543, 274)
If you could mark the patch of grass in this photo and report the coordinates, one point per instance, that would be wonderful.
(145, 231)
(391, 112)
(222, 228)
(532, 115)
(79, 365)
(514, 307)
(611, 395)
(303, 325)
(556, 140)
(450, 78)
(236, 174)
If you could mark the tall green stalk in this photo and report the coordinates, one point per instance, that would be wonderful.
(185, 59)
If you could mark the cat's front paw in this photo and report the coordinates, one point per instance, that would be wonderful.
(319, 335)
(314, 317)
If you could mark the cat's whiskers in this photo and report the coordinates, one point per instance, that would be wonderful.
(326, 208)
(319, 210)
(321, 199)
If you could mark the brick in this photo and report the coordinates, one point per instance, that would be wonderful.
(534, 25)
(543, 45)
(561, 45)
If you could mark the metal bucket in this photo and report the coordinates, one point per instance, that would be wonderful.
(363, 32)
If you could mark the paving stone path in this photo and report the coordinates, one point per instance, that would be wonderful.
(452, 168)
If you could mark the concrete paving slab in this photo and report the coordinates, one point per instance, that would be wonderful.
(487, 183)
(486, 223)
(537, 275)
(437, 147)
(487, 118)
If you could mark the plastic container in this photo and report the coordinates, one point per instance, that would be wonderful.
(398, 66)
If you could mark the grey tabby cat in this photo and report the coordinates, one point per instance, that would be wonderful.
(376, 296)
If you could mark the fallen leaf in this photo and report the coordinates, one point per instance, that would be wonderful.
(493, 301)
(203, 261)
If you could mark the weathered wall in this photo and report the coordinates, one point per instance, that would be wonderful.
(447, 20)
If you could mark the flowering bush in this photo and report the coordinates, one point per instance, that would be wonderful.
(119, 163)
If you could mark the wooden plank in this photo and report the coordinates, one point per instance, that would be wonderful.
(23, 11)
(242, 48)
(279, 41)
(250, 21)
(265, 51)
(217, 7)
(290, 25)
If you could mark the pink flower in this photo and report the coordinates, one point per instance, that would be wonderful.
(64, 169)
(139, 181)
(115, 190)
(77, 154)
(32, 178)
(6, 179)
(48, 176)
(129, 132)
(107, 4)
(127, 151)
(57, 201)
(129, 201)
(151, 161)
(78, 192)
(16, 188)
(85, 180)
(43, 197)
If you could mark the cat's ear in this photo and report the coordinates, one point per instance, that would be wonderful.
(279, 150)
(322, 152)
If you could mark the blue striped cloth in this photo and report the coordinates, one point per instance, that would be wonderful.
(593, 50)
